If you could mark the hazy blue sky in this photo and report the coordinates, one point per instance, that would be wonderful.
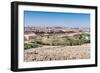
(32, 18)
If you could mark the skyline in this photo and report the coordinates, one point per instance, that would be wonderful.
(51, 19)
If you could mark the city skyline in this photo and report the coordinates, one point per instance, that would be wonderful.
(51, 19)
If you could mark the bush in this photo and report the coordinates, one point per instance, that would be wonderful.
(72, 42)
(32, 45)
(61, 42)
(39, 42)
(27, 46)
(76, 42)
(84, 39)
(58, 42)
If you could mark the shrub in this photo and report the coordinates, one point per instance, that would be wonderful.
(76, 42)
(32, 45)
(39, 42)
(27, 46)
(59, 42)
(83, 37)
(72, 42)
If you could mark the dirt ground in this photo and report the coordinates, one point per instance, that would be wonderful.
(48, 53)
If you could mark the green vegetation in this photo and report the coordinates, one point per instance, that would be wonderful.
(62, 42)
(30, 45)
(72, 42)
(83, 38)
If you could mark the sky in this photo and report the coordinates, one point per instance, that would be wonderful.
(33, 18)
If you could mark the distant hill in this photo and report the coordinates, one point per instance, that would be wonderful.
(55, 29)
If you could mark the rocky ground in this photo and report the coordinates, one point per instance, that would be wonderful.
(48, 53)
